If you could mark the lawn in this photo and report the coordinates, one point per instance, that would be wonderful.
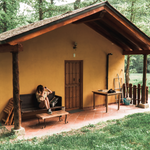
(137, 78)
(130, 132)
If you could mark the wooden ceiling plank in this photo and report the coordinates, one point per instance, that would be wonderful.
(9, 48)
(126, 24)
(106, 34)
(117, 34)
(117, 26)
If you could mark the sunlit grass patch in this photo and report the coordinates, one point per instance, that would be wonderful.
(130, 132)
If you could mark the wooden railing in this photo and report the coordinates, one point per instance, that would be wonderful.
(135, 92)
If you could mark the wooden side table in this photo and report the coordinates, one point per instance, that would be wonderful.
(106, 95)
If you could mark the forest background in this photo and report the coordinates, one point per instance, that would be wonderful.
(16, 13)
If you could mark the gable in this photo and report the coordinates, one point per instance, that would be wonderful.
(102, 18)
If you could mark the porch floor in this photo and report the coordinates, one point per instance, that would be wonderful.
(77, 120)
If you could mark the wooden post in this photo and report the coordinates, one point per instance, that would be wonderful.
(139, 93)
(16, 96)
(144, 79)
(147, 94)
(130, 91)
(124, 90)
(142, 93)
(134, 94)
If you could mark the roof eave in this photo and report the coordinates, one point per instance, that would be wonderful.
(69, 17)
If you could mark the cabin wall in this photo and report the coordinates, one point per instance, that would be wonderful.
(43, 60)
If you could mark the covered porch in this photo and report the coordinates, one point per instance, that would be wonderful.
(77, 120)
(102, 19)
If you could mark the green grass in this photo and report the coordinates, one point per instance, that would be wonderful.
(131, 132)
(137, 78)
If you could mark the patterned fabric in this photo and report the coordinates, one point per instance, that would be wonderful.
(41, 96)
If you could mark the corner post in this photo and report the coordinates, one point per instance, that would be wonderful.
(144, 79)
(16, 96)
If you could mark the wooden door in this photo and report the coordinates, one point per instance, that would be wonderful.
(73, 84)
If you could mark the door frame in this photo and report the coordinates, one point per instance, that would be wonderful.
(81, 81)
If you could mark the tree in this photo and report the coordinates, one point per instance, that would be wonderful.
(77, 4)
(8, 14)
(132, 16)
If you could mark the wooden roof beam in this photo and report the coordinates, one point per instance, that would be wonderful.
(106, 34)
(130, 35)
(136, 52)
(114, 32)
(53, 26)
(91, 18)
(125, 22)
(9, 48)
(117, 35)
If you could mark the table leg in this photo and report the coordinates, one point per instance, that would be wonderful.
(38, 121)
(93, 100)
(60, 118)
(66, 119)
(44, 124)
(119, 95)
(106, 103)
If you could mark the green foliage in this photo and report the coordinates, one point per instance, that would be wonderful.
(8, 14)
(137, 78)
(136, 64)
(136, 11)
(85, 130)
(91, 126)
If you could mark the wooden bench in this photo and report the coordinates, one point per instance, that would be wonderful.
(30, 105)
(45, 116)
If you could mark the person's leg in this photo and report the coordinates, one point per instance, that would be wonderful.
(47, 103)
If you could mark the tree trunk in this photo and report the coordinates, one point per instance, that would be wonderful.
(40, 9)
(52, 2)
(127, 73)
(76, 4)
(5, 10)
(144, 79)
(128, 58)
(16, 96)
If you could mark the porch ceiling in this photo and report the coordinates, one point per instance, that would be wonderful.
(119, 31)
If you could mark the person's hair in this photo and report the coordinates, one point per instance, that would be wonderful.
(40, 88)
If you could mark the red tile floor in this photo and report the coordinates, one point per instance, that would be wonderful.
(76, 120)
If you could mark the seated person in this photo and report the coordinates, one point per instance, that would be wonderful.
(41, 95)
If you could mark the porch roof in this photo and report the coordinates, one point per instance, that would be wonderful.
(102, 18)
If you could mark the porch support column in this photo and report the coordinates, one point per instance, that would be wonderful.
(144, 105)
(144, 79)
(16, 96)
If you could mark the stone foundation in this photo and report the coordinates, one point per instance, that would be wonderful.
(143, 106)
(18, 132)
